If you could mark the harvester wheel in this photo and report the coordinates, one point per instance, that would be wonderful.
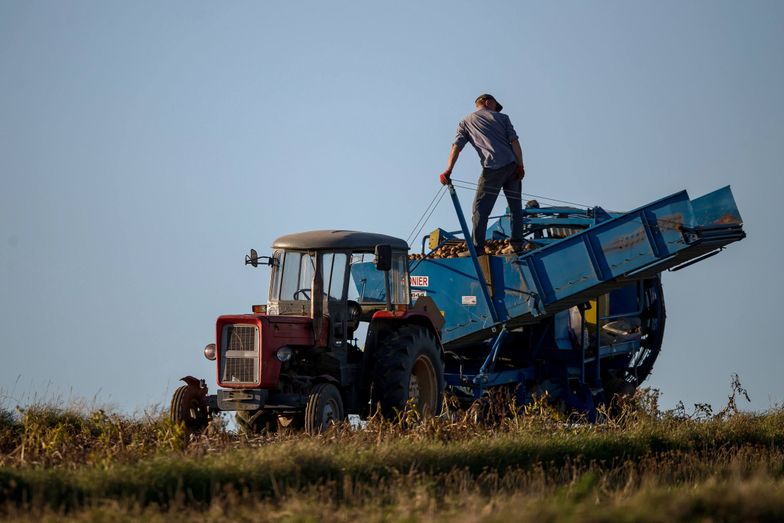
(253, 422)
(188, 407)
(325, 407)
(408, 366)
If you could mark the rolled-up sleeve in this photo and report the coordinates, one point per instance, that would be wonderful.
(461, 136)
(511, 135)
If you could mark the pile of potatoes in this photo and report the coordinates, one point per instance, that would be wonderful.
(452, 249)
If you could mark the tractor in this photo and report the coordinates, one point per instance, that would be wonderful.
(295, 362)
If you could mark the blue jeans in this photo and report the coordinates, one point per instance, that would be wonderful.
(490, 184)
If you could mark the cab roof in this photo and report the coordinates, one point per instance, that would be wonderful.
(353, 240)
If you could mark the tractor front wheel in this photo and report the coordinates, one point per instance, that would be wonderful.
(325, 407)
(189, 408)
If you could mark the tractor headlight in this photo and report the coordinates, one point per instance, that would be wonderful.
(209, 352)
(284, 353)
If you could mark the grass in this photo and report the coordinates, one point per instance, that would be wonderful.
(639, 464)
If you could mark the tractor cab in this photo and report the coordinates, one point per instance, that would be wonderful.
(328, 276)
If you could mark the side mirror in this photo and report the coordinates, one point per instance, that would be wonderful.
(252, 258)
(383, 257)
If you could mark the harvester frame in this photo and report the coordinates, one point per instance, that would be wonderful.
(576, 262)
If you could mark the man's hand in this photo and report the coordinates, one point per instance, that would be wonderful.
(444, 176)
(519, 172)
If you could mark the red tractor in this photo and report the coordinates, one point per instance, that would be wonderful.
(296, 361)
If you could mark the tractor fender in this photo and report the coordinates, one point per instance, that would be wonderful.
(326, 378)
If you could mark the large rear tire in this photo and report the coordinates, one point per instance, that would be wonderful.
(408, 366)
(189, 408)
(325, 407)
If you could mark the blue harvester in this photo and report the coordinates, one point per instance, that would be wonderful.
(580, 313)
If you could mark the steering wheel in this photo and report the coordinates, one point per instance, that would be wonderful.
(304, 292)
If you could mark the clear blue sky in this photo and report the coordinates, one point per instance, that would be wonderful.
(146, 146)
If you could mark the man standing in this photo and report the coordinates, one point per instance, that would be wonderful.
(492, 135)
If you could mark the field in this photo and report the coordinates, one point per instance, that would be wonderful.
(638, 464)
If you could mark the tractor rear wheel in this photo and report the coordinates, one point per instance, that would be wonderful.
(188, 407)
(408, 367)
(325, 407)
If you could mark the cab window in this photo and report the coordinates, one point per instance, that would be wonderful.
(367, 283)
(398, 279)
(296, 276)
(335, 274)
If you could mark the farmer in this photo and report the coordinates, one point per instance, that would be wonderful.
(492, 135)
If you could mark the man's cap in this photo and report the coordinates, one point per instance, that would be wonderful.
(489, 97)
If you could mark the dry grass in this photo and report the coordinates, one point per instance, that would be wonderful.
(531, 464)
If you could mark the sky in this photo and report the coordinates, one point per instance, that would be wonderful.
(146, 146)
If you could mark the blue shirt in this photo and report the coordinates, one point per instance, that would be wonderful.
(491, 133)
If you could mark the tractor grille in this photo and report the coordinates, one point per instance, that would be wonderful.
(240, 354)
